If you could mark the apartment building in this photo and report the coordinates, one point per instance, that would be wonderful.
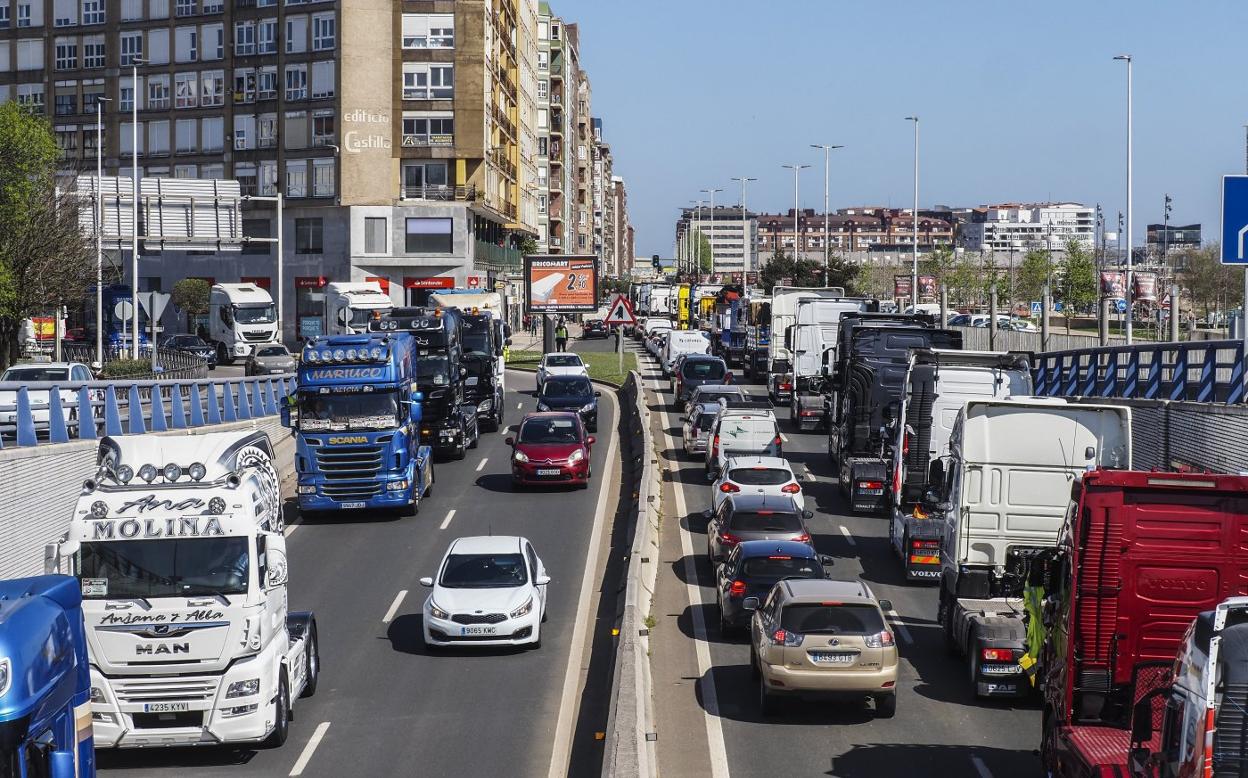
(732, 233)
(601, 202)
(403, 137)
(621, 231)
(853, 232)
(1016, 227)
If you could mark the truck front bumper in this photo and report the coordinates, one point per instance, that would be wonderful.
(393, 493)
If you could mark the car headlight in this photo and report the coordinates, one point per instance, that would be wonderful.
(243, 688)
(97, 694)
(590, 408)
(520, 457)
(523, 610)
(437, 612)
(576, 456)
(543, 406)
(486, 405)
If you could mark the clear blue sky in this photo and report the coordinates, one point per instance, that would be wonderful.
(1018, 101)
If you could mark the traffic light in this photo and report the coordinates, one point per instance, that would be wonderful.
(654, 261)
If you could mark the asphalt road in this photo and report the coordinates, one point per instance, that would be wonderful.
(708, 717)
(386, 705)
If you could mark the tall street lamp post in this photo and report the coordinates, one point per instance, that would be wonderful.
(745, 232)
(797, 216)
(914, 270)
(1130, 290)
(827, 167)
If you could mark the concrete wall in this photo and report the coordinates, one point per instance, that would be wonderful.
(42, 484)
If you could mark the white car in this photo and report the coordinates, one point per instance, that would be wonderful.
(560, 363)
(757, 475)
(67, 372)
(489, 591)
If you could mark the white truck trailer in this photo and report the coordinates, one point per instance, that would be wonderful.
(816, 321)
(350, 305)
(240, 317)
(179, 548)
(784, 315)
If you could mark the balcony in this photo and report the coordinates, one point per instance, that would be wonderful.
(487, 256)
(439, 193)
(427, 140)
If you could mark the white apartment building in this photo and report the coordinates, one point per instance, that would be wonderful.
(733, 238)
(1018, 228)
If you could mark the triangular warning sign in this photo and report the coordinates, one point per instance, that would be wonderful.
(621, 311)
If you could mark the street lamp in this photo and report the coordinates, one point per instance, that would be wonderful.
(1130, 290)
(710, 240)
(745, 232)
(827, 167)
(914, 270)
(134, 204)
(797, 217)
(99, 227)
(695, 243)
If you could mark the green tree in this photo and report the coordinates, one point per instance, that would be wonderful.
(190, 295)
(528, 246)
(702, 250)
(1210, 285)
(1036, 270)
(1077, 285)
(45, 259)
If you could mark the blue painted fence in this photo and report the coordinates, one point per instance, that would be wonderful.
(58, 412)
(1197, 371)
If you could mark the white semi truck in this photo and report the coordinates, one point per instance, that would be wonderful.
(178, 544)
(814, 330)
(784, 315)
(240, 318)
(350, 305)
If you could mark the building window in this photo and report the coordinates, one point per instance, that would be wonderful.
(296, 34)
(93, 51)
(266, 83)
(66, 53)
(322, 79)
(543, 60)
(158, 46)
(131, 10)
(92, 11)
(29, 13)
(244, 39)
(543, 90)
(323, 177)
(158, 138)
(158, 9)
(324, 32)
(296, 82)
(554, 31)
(65, 104)
(244, 85)
(421, 177)
(30, 96)
(185, 90)
(308, 236)
(212, 133)
(297, 186)
(213, 88)
(541, 146)
(64, 13)
(268, 177)
(244, 131)
(375, 235)
(543, 31)
(428, 81)
(131, 47)
(541, 204)
(428, 31)
(266, 132)
(4, 14)
(428, 130)
(429, 235)
(186, 44)
(213, 7)
(214, 41)
(295, 134)
(310, 306)
(322, 128)
(266, 37)
(542, 175)
(184, 7)
(184, 136)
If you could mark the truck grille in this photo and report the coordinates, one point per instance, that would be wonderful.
(257, 337)
(344, 462)
(478, 618)
(140, 690)
(351, 492)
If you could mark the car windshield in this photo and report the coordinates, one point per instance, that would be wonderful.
(773, 568)
(759, 476)
(433, 370)
(184, 340)
(29, 374)
(781, 366)
(712, 394)
(563, 360)
(484, 571)
(357, 411)
(557, 388)
(272, 351)
(549, 431)
(817, 618)
(703, 369)
(765, 521)
(255, 314)
(168, 567)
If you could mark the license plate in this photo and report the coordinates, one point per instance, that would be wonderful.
(832, 657)
(1000, 669)
(479, 630)
(166, 707)
(353, 505)
(548, 471)
(871, 491)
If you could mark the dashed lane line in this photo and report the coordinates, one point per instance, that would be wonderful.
(447, 521)
(902, 632)
(394, 607)
(310, 748)
(980, 767)
(848, 536)
(481, 464)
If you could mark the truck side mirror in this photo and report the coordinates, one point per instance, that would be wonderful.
(936, 472)
(418, 397)
(275, 559)
(344, 316)
(1142, 718)
(285, 413)
(413, 412)
(886, 605)
(788, 337)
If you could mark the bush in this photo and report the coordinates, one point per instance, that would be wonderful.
(127, 368)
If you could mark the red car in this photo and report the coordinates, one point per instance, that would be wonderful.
(550, 448)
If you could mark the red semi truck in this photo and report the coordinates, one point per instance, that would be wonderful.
(1140, 556)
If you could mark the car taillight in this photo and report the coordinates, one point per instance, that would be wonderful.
(870, 484)
(737, 589)
(782, 637)
(777, 440)
(803, 538)
(727, 487)
(997, 654)
(879, 640)
(715, 444)
(786, 387)
(925, 544)
(728, 539)
(792, 488)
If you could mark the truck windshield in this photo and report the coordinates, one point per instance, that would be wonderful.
(168, 567)
(433, 370)
(475, 336)
(359, 318)
(255, 314)
(363, 410)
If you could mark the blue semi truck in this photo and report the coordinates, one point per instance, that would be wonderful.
(357, 429)
(45, 680)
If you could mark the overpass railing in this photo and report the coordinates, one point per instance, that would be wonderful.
(1193, 371)
(58, 412)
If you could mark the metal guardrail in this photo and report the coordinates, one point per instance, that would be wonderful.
(1194, 371)
(170, 363)
(98, 407)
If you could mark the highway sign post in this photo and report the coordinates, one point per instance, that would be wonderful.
(1235, 232)
(619, 314)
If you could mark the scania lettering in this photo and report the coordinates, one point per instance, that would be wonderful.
(240, 317)
(357, 429)
(190, 639)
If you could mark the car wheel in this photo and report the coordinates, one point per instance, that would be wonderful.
(726, 628)
(281, 715)
(476, 439)
(313, 659)
(766, 700)
(885, 706)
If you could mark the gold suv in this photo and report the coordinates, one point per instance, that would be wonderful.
(816, 637)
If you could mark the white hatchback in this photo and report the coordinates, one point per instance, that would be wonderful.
(757, 475)
(560, 363)
(489, 591)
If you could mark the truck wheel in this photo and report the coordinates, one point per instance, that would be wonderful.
(885, 706)
(971, 662)
(946, 624)
(281, 715)
(313, 659)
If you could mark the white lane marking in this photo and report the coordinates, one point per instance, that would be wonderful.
(447, 521)
(561, 748)
(901, 628)
(980, 767)
(809, 475)
(710, 698)
(519, 406)
(313, 742)
(481, 464)
(849, 537)
(394, 607)
(290, 529)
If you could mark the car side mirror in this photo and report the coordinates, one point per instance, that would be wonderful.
(507, 342)
(712, 477)
(826, 560)
(426, 581)
(591, 440)
(808, 514)
(886, 605)
(597, 394)
(542, 580)
(750, 603)
(510, 441)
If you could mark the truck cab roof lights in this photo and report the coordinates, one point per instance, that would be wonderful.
(197, 471)
(148, 472)
(171, 471)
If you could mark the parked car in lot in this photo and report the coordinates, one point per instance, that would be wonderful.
(823, 638)
(742, 432)
(694, 370)
(489, 591)
(560, 363)
(270, 359)
(594, 328)
(551, 448)
(744, 517)
(571, 393)
(757, 475)
(191, 344)
(753, 567)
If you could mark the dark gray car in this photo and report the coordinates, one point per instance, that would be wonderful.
(744, 517)
(270, 359)
(696, 370)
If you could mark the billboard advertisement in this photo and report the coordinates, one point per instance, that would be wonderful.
(1113, 283)
(560, 284)
(1145, 287)
(927, 288)
(901, 286)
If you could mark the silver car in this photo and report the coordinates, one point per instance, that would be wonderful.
(270, 359)
(697, 427)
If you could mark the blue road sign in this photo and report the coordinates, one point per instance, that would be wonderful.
(1122, 305)
(1056, 306)
(1036, 307)
(1235, 220)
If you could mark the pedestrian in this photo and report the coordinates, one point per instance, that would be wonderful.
(561, 337)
